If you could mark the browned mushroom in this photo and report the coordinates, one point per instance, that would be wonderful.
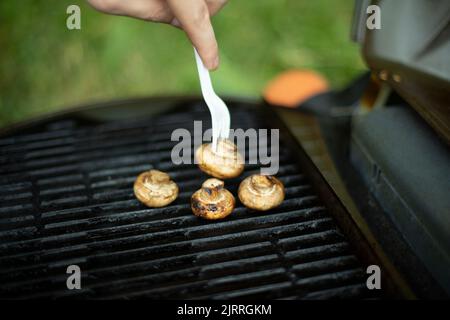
(224, 163)
(212, 201)
(155, 189)
(261, 192)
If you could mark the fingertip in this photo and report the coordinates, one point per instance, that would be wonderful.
(214, 64)
(194, 18)
(209, 56)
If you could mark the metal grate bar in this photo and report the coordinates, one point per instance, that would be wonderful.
(66, 198)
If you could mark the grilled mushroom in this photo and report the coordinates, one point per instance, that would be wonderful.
(155, 189)
(212, 201)
(223, 163)
(261, 192)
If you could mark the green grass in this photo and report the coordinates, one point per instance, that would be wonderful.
(45, 67)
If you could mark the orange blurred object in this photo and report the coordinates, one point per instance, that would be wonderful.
(291, 88)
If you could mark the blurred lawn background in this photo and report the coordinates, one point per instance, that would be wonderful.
(45, 67)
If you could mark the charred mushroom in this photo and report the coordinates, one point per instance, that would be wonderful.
(261, 192)
(212, 201)
(223, 163)
(155, 189)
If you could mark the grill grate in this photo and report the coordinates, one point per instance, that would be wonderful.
(66, 198)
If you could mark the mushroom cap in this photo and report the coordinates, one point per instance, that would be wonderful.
(212, 201)
(154, 188)
(261, 192)
(224, 163)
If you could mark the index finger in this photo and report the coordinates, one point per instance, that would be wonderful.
(193, 16)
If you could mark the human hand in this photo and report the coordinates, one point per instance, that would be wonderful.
(193, 16)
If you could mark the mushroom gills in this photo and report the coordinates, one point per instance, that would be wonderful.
(212, 201)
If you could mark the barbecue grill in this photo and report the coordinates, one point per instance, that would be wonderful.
(365, 171)
(67, 198)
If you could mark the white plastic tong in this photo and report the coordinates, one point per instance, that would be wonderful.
(220, 116)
